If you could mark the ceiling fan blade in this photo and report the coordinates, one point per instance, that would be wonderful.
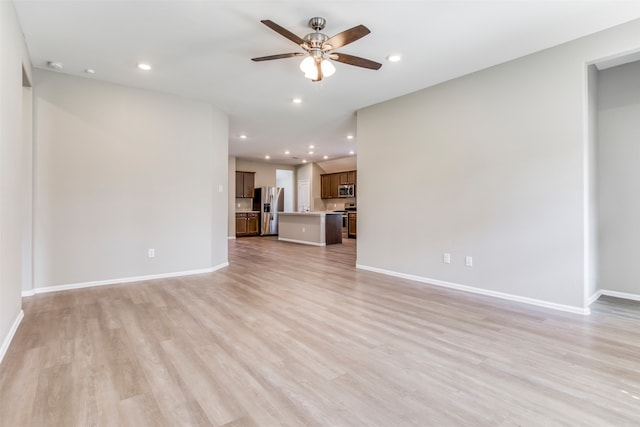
(283, 31)
(319, 68)
(345, 37)
(355, 60)
(280, 56)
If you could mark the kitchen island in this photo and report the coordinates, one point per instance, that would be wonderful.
(310, 228)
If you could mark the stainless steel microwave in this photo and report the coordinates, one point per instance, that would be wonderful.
(348, 190)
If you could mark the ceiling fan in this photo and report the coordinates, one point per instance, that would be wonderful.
(319, 48)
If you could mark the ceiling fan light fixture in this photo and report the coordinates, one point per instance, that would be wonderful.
(310, 69)
(308, 65)
(327, 68)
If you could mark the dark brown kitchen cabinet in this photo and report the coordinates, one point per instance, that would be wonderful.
(253, 224)
(330, 183)
(344, 178)
(325, 186)
(245, 184)
(247, 224)
(241, 224)
(335, 184)
(352, 222)
(351, 177)
(347, 178)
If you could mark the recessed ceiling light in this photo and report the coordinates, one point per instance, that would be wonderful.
(349, 136)
(287, 152)
(311, 147)
(394, 58)
(267, 157)
(304, 161)
(325, 157)
(243, 136)
(90, 71)
(143, 66)
(310, 152)
(55, 65)
(297, 101)
(352, 152)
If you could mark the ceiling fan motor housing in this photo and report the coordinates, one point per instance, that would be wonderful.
(315, 41)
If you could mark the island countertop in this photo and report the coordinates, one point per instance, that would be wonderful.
(321, 213)
(310, 228)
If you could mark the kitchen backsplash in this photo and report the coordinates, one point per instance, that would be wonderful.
(244, 204)
(336, 204)
(318, 204)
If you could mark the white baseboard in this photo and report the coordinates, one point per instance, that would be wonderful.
(593, 298)
(616, 294)
(121, 280)
(532, 301)
(232, 237)
(10, 335)
(304, 242)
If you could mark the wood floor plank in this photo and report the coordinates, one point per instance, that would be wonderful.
(293, 335)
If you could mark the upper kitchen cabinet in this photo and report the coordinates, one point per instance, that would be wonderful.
(352, 177)
(331, 182)
(245, 183)
(335, 184)
(347, 178)
(325, 186)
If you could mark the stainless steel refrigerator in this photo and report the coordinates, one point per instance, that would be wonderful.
(268, 201)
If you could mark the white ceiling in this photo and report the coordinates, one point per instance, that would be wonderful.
(202, 50)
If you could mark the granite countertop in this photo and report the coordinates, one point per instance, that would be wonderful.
(238, 211)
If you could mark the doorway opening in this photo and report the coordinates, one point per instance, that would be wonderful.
(27, 179)
(284, 179)
(613, 177)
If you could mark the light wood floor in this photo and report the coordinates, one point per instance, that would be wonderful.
(295, 335)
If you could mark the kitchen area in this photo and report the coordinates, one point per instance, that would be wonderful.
(325, 210)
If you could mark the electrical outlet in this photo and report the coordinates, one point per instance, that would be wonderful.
(304, 229)
(152, 253)
(446, 258)
(468, 261)
(220, 188)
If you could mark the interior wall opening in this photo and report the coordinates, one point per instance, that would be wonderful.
(617, 183)
(284, 179)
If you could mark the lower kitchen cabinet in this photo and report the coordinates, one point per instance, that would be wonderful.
(352, 222)
(247, 224)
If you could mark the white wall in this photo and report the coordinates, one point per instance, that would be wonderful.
(339, 165)
(619, 177)
(14, 188)
(121, 170)
(494, 166)
(265, 172)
